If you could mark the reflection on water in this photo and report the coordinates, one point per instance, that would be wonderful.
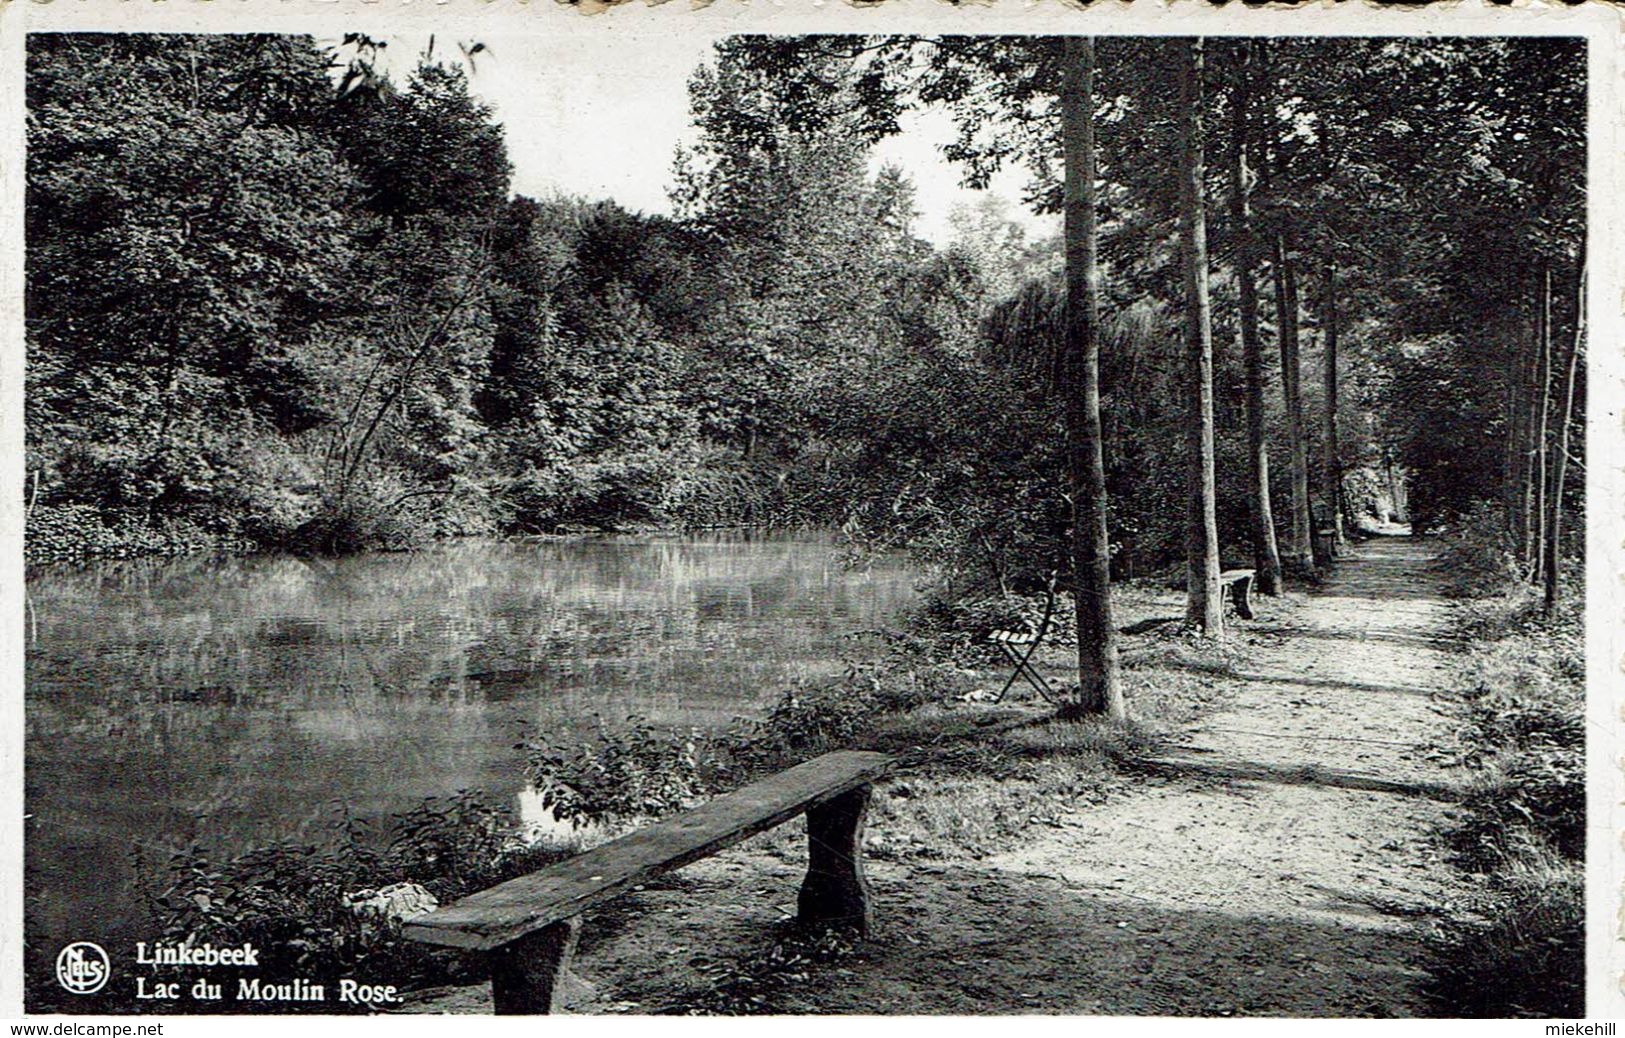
(225, 701)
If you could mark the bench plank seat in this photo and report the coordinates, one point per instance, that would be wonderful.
(509, 911)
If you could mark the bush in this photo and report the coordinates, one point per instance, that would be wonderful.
(638, 771)
(607, 493)
(79, 533)
(272, 492)
(635, 771)
(370, 517)
(723, 489)
(813, 719)
(1479, 557)
(1521, 950)
(810, 719)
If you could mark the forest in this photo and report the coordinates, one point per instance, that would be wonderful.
(281, 299)
(276, 299)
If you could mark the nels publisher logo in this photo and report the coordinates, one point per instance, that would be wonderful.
(82, 968)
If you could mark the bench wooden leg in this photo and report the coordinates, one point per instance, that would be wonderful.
(1243, 594)
(835, 890)
(528, 977)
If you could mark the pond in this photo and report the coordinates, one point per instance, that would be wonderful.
(230, 701)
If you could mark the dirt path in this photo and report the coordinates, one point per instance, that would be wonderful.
(1276, 861)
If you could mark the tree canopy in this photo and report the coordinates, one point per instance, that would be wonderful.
(279, 297)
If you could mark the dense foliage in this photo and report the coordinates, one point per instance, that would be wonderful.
(271, 304)
(1411, 252)
(267, 309)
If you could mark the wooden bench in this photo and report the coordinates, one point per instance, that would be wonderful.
(528, 926)
(1325, 544)
(1238, 584)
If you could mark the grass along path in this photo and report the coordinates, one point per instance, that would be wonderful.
(1276, 858)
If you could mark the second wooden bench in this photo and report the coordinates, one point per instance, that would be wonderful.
(1238, 585)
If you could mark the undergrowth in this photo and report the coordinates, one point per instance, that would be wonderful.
(1524, 956)
(1517, 948)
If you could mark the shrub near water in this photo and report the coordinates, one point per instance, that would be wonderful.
(633, 771)
(638, 770)
(79, 533)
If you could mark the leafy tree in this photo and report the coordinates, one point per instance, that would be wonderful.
(1098, 688)
(182, 240)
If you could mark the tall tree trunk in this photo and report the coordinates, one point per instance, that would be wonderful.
(1099, 688)
(1512, 491)
(1300, 557)
(1560, 459)
(1331, 486)
(1266, 556)
(1396, 500)
(1526, 437)
(1202, 603)
(1537, 441)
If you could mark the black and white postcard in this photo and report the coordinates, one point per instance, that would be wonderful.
(891, 510)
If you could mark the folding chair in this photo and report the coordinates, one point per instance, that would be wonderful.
(1007, 641)
(1010, 643)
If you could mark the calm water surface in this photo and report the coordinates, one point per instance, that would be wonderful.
(229, 701)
